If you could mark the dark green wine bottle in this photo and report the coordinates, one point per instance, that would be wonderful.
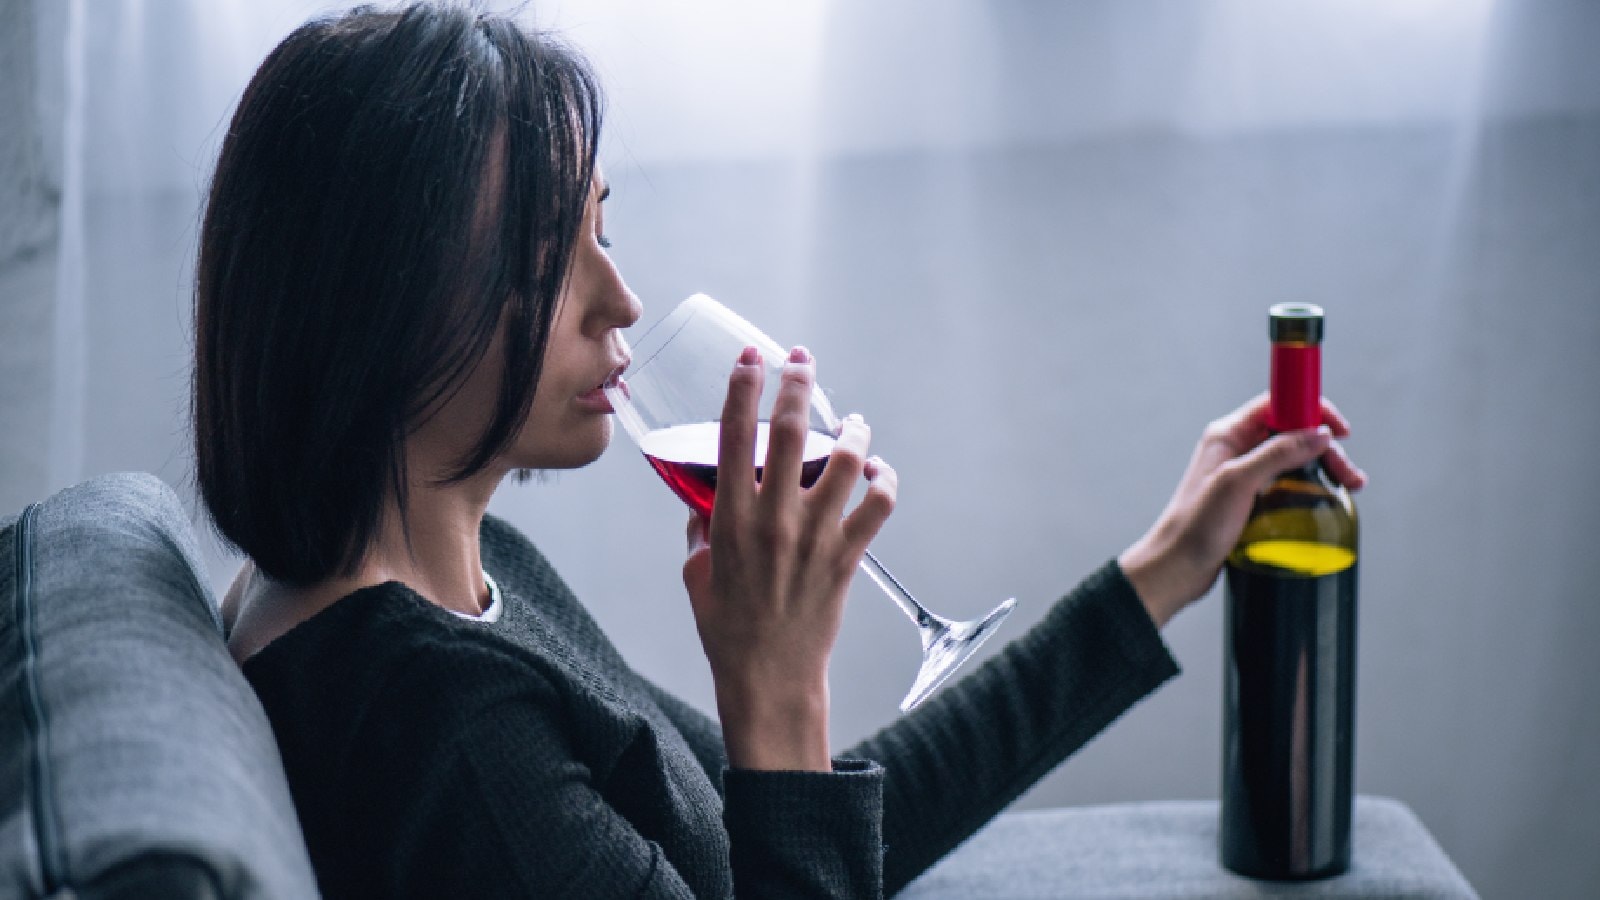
(1289, 658)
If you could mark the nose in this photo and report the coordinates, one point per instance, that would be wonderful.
(613, 303)
(633, 308)
(630, 311)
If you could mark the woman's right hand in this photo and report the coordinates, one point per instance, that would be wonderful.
(768, 575)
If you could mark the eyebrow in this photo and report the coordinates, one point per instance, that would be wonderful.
(605, 191)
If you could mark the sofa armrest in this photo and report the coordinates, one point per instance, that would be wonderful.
(1168, 850)
(135, 761)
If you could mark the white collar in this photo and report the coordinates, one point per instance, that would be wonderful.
(492, 614)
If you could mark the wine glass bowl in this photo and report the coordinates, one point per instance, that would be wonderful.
(670, 401)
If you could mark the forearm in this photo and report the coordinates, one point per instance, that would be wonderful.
(969, 751)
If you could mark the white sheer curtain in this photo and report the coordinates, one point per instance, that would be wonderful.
(1033, 242)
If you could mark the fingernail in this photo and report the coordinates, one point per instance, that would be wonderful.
(751, 356)
(799, 355)
(855, 418)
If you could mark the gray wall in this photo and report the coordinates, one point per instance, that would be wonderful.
(30, 236)
(1038, 365)
(1038, 315)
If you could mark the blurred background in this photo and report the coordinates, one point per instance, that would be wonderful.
(1034, 244)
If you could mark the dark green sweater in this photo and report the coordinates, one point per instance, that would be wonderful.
(434, 756)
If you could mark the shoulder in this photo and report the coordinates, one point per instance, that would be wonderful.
(374, 625)
(258, 611)
(351, 641)
(281, 632)
(385, 657)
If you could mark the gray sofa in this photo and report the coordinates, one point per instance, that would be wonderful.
(136, 760)
(136, 763)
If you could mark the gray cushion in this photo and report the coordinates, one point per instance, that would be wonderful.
(134, 758)
(1168, 850)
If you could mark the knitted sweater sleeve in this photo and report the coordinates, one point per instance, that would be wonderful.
(500, 804)
(967, 752)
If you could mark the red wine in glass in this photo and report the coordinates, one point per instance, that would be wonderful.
(685, 456)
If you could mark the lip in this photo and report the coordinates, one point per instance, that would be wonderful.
(595, 399)
(614, 377)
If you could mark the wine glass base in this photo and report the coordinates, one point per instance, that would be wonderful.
(947, 646)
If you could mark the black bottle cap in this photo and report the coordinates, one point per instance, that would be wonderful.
(1295, 323)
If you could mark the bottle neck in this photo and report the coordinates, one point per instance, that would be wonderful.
(1296, 386)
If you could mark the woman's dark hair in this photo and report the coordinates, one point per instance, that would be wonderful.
(393, 185)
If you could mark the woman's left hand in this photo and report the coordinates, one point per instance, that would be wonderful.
(1178, 559)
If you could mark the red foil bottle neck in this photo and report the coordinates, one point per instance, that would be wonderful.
(1296, 386)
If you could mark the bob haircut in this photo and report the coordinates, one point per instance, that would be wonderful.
(393, 184)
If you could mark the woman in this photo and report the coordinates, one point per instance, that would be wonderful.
(403, 296)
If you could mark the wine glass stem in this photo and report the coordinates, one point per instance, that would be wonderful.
(897, 592)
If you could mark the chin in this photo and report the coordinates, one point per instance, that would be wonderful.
(574, 450)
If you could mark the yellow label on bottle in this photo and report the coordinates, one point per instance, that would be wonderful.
(1308, 558)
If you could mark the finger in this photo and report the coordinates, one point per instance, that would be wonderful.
(1334, 419)
(1278, 454)
(1342, 469)
(697, 565)
(863, 523)
(697, 574)
(698, 532)
(846, 462)
(786, 434)
(1248, 425)
(737, 441)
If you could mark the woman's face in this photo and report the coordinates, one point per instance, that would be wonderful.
(569, 424)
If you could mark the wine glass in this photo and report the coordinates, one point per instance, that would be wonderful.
(670, 400)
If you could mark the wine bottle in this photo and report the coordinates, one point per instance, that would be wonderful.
(1289, 659)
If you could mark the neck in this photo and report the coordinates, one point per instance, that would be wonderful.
(440, 560)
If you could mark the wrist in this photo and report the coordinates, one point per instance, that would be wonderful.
(1161, 578)
(780, 727)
